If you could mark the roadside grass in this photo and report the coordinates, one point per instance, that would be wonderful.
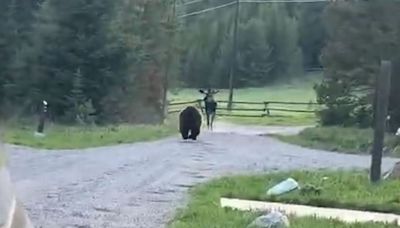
(341, 190)
(279, 120)
(296, 90)
(79, 137)
(2, 158)
(340, 139)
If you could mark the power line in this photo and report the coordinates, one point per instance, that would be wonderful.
(191, 2)
(283, 1)
(244, 1)
(207, 10)
(237, 3)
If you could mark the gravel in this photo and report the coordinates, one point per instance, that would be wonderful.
(142, 185)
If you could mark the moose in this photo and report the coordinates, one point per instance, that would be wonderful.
(210, 106)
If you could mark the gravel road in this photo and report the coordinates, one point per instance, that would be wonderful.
(141, 185)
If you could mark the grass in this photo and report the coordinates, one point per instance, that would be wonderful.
(339, 139)
(76, 137)
(2, 158)
(294, 90)
(280, 120)
(341, 189)
(300, 90)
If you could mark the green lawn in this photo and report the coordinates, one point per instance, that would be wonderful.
(73, 137)
(300, 90)
(341, 189)
(280, 120)
(339, 139)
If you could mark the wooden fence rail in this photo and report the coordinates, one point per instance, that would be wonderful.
(265, 110)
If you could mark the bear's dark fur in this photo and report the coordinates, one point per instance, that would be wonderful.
(190, 123)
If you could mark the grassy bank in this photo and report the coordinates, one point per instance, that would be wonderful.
(340, 189)
(77, 137)
(294, 90)
(339, 139)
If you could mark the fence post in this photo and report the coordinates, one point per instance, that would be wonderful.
(266, 108)
(380, 115)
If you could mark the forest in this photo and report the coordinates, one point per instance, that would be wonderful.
(114, 61)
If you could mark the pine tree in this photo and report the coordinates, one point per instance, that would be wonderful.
(361, 34)
(141, 31)
(71, 35)
(5, 49)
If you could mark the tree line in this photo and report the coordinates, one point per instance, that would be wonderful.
(275, 41)
(113, 61)
(85, 57)
(107, 61)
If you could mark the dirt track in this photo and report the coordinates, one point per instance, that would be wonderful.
(141, 185)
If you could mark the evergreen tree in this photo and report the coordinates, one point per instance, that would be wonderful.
(5, 52)
(361, 34)
(69, 36)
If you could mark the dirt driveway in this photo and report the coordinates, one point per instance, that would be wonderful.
(141, 185)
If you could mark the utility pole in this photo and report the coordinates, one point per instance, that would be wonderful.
(234, 57)
(380, 115)
(171, 25)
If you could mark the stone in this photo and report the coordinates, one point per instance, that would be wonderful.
(271, 220)
(285, 186)
(39, 135)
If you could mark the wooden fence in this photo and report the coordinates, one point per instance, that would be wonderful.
(250, 108)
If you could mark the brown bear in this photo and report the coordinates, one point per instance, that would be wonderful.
(190, 123)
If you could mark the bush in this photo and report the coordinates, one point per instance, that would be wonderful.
(347, 115)
(334, 115)
(362, 115)
(342, 108)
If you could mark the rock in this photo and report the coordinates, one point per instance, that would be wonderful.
(39, 135)
(271, 220)
(394, 173)
(284, 187)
